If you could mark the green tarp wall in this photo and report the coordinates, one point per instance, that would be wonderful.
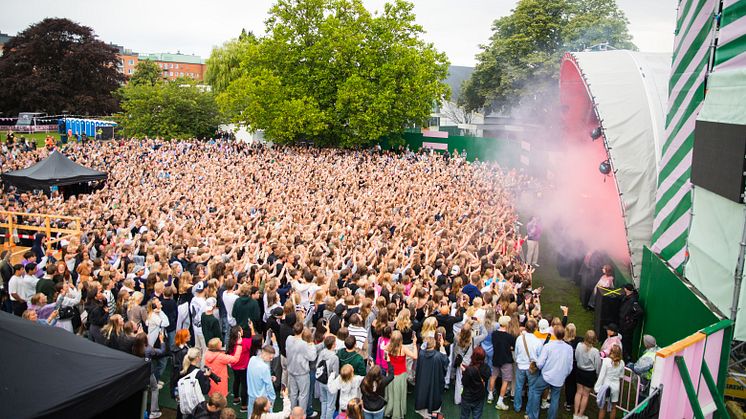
(672, 310)
(504, 152)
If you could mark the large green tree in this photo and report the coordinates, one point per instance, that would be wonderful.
(331, 72)
(58, 65)
(146, 72)
(520, 64)
(152, 106)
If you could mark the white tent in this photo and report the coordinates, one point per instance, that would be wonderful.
(629, 91)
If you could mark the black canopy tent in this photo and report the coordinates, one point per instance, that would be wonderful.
(55, 170)
(51, 373)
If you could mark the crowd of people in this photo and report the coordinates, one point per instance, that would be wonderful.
(351, 277)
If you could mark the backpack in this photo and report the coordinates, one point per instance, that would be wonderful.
(489, 350)
(190, 393)
(322, 372)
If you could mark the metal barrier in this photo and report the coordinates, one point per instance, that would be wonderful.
(629, 391)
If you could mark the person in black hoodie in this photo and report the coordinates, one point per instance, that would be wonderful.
(171, 309)
(630, 314)
(373, 389)
(98, 312)
(474, 378)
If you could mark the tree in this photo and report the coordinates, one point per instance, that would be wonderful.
(168, 109)
(57, 65)
(224, 64)
(520, 65)
(331, 72)
(146, 72)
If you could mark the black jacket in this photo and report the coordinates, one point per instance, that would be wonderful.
(630, 312)
(473, 380)
(286, 330)
(375, 400)
(448, 321)
(96, 314)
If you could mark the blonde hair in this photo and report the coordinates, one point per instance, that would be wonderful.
(395, 344)
(135, 300)
(429, 326)
(615, 354)
(192, 355)
(346, 373)
(403, 320)
(214, 344)
(570, 332)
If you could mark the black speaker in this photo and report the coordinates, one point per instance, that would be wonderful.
(607, 309)
(719, 159)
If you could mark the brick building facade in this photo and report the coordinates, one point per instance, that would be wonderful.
(172, 65)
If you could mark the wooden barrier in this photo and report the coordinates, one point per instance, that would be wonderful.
(13, 228)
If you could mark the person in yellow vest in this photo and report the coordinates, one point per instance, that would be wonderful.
(644, 366)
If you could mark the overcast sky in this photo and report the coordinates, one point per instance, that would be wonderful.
(195, 26)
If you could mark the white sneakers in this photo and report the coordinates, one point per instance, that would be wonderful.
(501, 406)
(545, 404)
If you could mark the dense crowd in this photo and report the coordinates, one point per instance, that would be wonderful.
(351, 277)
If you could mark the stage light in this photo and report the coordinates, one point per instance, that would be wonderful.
(604, 167)
(596, 133)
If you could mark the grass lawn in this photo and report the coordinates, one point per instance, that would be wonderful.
(37, 136)
(558, 291)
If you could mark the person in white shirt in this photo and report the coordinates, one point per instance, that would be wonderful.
(14, 289)
(527, 349)
(229, 298)
(28, 283)
(196, 308)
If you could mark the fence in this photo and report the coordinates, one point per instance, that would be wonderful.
(503, 151)
(695, 366)
(15, 223)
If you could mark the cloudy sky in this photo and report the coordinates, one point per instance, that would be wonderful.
(196, 26)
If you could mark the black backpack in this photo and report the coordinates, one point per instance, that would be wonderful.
(322, 372)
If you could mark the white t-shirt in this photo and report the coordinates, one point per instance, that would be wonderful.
(229, 298)
(28, 287)
(197, 307)
(14, 286)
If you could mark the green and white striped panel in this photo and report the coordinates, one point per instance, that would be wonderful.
(731, 49)
(686, 92)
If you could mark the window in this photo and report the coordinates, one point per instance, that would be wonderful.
(177, 66)
(130, 71)
(181, 74)
(170, 73)
(131, 62)
(171, 65)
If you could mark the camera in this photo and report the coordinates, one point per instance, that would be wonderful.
(213, 376)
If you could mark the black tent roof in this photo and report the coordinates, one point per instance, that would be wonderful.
(50, 372)
(55, 170)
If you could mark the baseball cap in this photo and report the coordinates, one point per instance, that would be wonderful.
(199, 286)
(211, 302)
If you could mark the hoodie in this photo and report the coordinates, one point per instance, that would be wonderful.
(347, 390)
(353, 358)
(332, 362)
(300, 353)
(245, 309)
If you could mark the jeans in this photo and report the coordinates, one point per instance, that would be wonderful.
(312, 378)
(522, 378)
(239, 386)
(376, 415)
(471, 409)
(534, 398)
(226, 329)
(328, 400)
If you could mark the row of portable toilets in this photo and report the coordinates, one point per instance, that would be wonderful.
(78, 126)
